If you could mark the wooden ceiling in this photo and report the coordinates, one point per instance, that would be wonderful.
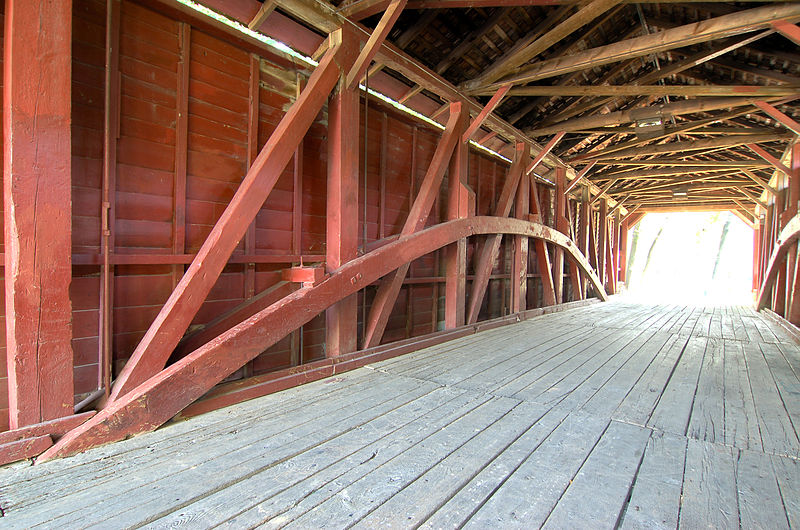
(665, 105)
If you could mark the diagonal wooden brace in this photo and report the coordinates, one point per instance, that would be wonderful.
(390, 285)
(487, 251)
(174, 318)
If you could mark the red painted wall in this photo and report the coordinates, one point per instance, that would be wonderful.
(399, 150)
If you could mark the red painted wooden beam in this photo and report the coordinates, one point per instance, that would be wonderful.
(158, 399)
(544, 152)
(57, 427)
(38, 208)
(793, 312)
(582, 173)
(390, 286)
(234, 392)
(308, 276)
(25, 448)
(788, 30)
(785, 240)
(184, 302)
(542, 253)
(787, 122)
(519, 265)
(486, 252)
(341, 224)
(374, 43)
(602, 240)
(484, 113)
(460, 205)
(760, 151)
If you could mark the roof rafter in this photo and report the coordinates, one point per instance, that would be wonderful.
(716, 28)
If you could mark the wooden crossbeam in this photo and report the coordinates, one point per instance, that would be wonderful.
(568, 49)
(751, 196)
(685, 163)
(602, 191)
(716, 28)
(472, 4)
(664, 72)
(659, 172)
(650, 90)
(177, 313)
(692, 131)
(390, 285)
(666, 111)
(667, 185)
(508, 65)
(696, 145)
(683, 128)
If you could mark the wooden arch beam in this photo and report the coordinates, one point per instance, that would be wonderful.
(788, 236)
(161, 397)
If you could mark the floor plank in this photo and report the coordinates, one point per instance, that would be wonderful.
(619, 414)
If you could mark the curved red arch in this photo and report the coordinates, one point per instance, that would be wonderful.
(788, 236)
(161, 397)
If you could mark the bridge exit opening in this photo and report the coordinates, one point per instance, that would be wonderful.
(691, 257)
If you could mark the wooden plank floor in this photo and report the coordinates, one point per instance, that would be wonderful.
(612, 415)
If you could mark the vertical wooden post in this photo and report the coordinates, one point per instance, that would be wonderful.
(779, 290)
(296, 341)
(342, 213)
(623, 252)
(793, 308)
(767, 239)
(757, 231)
(542, 253)
(560, 222)
(616, 251)
(108, 204)
(519, 266)
(181, 149)
(610, 251)
(382, 190)
(602, 241)
(252, 152)
(38, 209)
(455, 259)
(583, 230)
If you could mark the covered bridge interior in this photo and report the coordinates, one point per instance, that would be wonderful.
(208, 203)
